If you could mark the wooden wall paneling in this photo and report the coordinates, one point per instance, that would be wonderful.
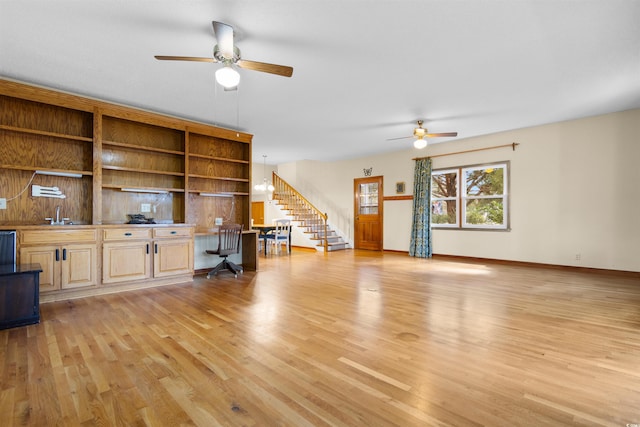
(142, 134)
(117, 204)
(29, 210)
(45, 117)
(97, 166)
(142, 160)
(204, 210)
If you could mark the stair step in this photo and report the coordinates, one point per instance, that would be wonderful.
(335, 246)
(309, 222)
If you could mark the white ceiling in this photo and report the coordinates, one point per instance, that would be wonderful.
(364, 71)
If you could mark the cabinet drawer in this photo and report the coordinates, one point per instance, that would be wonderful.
(57, 236)
(173, 232)
(126, 233)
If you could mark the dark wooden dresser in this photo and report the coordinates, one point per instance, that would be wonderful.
(19, 295)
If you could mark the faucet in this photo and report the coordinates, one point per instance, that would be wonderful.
(57, 220)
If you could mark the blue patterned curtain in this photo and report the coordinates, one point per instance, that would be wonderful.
(420, 245)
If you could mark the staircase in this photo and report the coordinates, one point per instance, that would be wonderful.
(308, 218)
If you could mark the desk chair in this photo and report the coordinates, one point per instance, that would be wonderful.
(228, 243)
(280, 234)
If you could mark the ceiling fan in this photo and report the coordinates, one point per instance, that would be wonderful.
(421, 134)
(228, 54)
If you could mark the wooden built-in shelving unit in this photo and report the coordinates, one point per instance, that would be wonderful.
(126, 157)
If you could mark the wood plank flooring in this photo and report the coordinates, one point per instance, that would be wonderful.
(350, 338)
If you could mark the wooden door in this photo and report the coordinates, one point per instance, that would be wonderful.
(257, 212)
(48, 257)
(368, 213)
(124, 261)
(172, 257)
(78, 266)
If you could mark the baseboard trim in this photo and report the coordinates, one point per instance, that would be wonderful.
(624, 273)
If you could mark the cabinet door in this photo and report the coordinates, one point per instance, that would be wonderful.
(48, 257)
(78, 266)
(125, 261)
(172, 257)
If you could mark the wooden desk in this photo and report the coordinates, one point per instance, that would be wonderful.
(265, 229)
(249, 246)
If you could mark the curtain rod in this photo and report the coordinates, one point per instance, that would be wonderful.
(512, 145)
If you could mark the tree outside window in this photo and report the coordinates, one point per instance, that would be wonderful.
(480, 191)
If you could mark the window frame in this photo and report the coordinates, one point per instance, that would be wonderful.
(462, 197)
(455, 199)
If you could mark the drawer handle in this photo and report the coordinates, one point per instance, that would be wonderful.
(127, 234)
(174, 232)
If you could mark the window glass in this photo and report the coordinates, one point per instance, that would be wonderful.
(444, 202)
(480, 203)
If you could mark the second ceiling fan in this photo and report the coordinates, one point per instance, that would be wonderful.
(421, 134)
(228, 54)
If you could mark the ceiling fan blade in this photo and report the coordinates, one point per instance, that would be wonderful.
(402, 137)
(432, 135)
(224, 35)
(281, 70)
(184, 58)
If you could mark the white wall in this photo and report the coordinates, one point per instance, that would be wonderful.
(575, 189)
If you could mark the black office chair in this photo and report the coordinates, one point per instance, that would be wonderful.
(228, 243)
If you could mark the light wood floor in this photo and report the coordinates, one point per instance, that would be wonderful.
(351, 338)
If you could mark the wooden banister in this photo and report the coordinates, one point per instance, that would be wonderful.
(292, 197)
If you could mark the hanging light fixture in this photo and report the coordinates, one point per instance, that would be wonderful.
(420, 143)
(227, 76)
(264, 186)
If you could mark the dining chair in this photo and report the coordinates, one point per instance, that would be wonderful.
(229, 236)
(280, 234)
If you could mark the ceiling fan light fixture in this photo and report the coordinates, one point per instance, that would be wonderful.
(420, 143)
(227, 77)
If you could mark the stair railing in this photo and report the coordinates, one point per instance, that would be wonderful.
(290, 196)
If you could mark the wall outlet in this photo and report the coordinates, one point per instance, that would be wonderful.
(3, 203)
(145, 207)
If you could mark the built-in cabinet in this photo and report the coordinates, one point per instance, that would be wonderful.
(130, 254)
(126, 255)
(68, 258)
(109, 161)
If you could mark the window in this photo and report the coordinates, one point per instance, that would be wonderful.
(470, 197)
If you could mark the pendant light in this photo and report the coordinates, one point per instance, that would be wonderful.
(264, 186)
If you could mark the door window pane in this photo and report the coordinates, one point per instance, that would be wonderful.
(368, 198)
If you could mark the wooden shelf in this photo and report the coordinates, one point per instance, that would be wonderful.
(45, 133)
(222, 159)
(142, 147)
(221, 193)
(127, 169)
(142, 189)
(37, 168)
(218, 178)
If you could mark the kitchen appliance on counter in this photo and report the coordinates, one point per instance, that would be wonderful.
(139, 219)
